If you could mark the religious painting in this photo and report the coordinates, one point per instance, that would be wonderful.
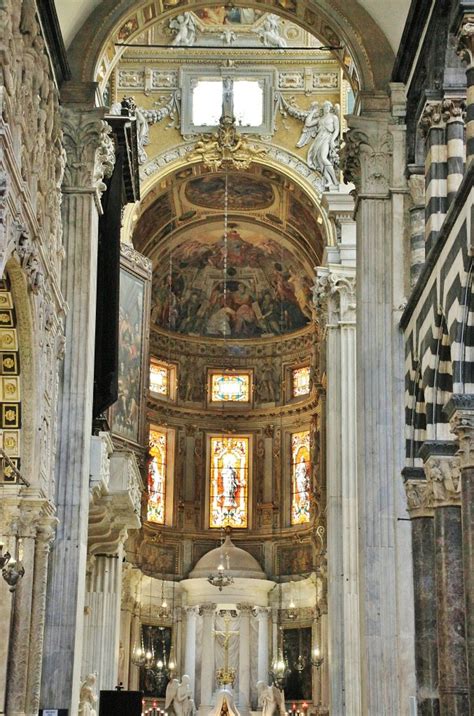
(229, 476)
(297, 652)
(159, 378)
(154, 676)
(300, 477)
(126, 418)
(228, 15)
(154, 218)
(125, 412)
(300, 381)
(230, 387)
(295, 560)
(304, 219)
(157, 468)
(244, 192)
(243, 285)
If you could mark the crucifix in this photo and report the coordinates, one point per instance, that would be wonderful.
(226, 675)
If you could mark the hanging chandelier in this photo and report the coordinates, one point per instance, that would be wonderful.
(222, 578)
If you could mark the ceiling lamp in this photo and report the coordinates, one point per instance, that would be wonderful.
(222, 578)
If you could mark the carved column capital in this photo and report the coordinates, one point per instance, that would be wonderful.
(207, 609)
(245, 609)
(366, 155)
(334, 295)
(261, 613)
(443, 473)
(454, 110)
(419, 498)
(89, 149)
(460, 411)
(466, 39)
(192, 612)
(433, 116)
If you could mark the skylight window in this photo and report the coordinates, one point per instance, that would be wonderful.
(207, 103)
(248, 103)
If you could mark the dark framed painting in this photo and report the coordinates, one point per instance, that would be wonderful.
(127, 417)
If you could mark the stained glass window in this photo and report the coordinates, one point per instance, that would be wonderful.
(159, 378)
(300, 381)
(300, 477)
(230, 388)
(157, 476)
(229, 460)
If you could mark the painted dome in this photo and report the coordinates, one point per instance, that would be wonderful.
(237, 561)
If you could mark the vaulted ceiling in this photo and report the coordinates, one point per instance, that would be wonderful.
(389, 15)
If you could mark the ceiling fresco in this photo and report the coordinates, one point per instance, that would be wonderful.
(250, 286)
(244, 192)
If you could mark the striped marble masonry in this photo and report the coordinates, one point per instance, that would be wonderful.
(436, 171)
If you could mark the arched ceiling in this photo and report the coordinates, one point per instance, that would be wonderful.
(390, 16)
(258, 282)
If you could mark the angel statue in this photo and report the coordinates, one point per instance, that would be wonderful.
(271, 699)
(180, 697)
(323, 128)
(88, 696)
(185, 27)
(270, 33)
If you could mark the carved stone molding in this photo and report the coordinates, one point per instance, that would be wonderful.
(419, 498)
(466, 39)
(443, 473)
(89, 149)
(416, 186)
(334, 296)
(460, 411)
(453, 109)
(366, 156)
(207, 610)
(433, 116)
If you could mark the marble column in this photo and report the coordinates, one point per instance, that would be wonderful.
(466, 50)
(190, 645)
(420, 507)
(27, 613)
(324, 670)
(416, 185)
(453, 114)
(374, 160)
(134, 671)
(90, 156)
(443, 473)
(262, 614)
(334, 295)
(102, 622)
(460, 410)
(207, 658)
(244, 658)
(316, 673)
(131, 578)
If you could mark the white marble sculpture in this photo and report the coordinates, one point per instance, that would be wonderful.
(225, 704)
(271, 699)
(179, 697)
(88, 696)
(270, 32)
(185, 27)
(323, 128)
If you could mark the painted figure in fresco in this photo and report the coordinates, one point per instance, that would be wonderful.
(244, 317)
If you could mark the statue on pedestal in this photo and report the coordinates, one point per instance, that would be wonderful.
(179, 696)
(271, 699)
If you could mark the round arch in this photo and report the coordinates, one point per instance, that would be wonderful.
(94, 53)
(165, 167)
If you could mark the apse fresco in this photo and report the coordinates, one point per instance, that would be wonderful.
(300, 477)
(266, 290)
(302, 218)
(244, 192)
(157, 477)
(229, 460)
(228, 15)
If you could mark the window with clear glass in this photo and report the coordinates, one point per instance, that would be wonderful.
(248, 102)
(300, 381)
(157, 469)
(230, 388)
(229, 476)
(207, 103)
(300, 477)
(159, 378)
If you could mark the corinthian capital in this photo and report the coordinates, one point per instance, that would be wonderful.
(433, 116)
(334, 295)
(89, 149)
(366, 155)
(466, 39)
